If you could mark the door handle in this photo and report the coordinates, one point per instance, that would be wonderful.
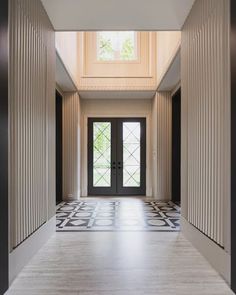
(119, 165)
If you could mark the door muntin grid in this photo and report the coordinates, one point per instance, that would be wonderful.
(102, 154)
(131, 142)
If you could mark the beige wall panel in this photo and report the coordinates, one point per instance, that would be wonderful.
(168, 43)
(71, 146)
(154, 146)
(205, 187)
(141, 67)
(115, 108)
(31, 119)
(94, 75)
(163, 144)
(67, 48)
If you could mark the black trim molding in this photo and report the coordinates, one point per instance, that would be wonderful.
(233, 141)
(4, 267)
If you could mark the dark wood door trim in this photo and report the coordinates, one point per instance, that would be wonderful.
(4, 61)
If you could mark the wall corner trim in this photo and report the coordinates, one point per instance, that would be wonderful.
(215, 255)
(21, 255)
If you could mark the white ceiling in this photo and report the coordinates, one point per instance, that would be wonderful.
(85, 15)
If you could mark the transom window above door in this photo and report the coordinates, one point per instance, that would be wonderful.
(117, 46)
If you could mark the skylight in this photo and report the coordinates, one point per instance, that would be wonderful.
(116, 46)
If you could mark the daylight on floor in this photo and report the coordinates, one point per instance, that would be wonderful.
(117, 145)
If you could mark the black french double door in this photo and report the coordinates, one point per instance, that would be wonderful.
(116, 156)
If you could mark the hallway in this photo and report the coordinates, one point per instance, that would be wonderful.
(117, 140)
(118, 263)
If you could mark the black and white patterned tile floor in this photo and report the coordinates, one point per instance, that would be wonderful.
(117, 215)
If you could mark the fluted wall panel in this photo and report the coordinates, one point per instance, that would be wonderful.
(163, 158)
(71, 146)
(31, 119)
(206, 118)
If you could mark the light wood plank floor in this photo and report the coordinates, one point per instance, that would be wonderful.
(118, 263)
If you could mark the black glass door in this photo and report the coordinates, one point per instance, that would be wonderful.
(116, 156)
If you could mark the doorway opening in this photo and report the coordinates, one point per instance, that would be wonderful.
(116, 156)
(59, 180)
(176, 146)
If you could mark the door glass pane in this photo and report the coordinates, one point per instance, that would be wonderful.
(131, 154)
(101, 154)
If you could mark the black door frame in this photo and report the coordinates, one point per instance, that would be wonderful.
(59, 148)
(4, 62)
(176, 146)
(233, 140)
(116, 182)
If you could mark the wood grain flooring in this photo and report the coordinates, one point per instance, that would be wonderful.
(118, 263)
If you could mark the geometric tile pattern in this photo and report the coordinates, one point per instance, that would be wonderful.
(117, 215)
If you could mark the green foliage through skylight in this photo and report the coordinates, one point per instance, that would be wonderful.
(113, 46)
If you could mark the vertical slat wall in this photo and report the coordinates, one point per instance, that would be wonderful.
(31, 119)
(164, 109)
(206, 118)
(154, 147)
(71, 146)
